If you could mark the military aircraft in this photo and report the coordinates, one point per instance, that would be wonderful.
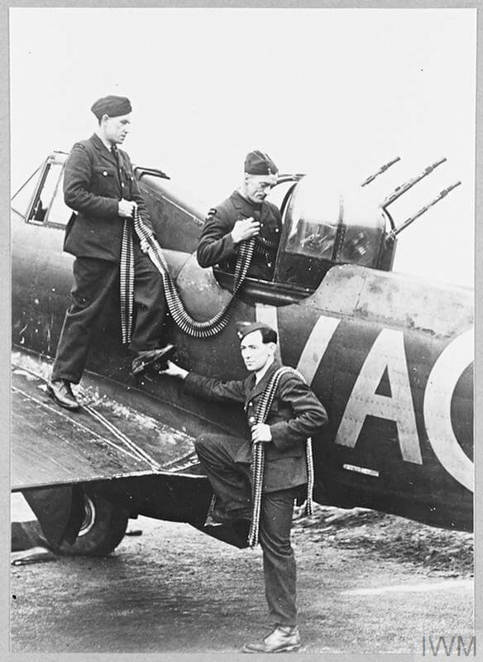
(389, 355)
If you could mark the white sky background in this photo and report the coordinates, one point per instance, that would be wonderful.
(330, 91)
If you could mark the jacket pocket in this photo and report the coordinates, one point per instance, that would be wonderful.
(105, 181)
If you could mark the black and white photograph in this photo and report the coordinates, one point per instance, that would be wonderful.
(242, 331)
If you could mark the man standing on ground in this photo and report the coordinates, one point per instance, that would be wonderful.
(295, 414)
(99, 185)
(245, 214)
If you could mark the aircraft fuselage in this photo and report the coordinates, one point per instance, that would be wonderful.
(388, 355)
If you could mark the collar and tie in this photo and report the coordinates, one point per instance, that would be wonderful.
(115, 152)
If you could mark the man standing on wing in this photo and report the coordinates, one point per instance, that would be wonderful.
(99, 185)
(295, 414)
(245, 214)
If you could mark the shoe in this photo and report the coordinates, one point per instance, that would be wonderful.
(218, 516)
(151, 357)
(211, 521)
(61, 392)
(282, 640)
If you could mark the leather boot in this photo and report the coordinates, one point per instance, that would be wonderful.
(61, 392)
(283, 639)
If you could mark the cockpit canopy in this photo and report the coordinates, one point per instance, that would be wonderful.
(327, 219)
(327, 226)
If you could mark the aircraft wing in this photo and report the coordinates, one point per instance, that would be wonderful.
(51, 446)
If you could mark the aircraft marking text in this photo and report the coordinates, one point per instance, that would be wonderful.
(316, 346)
(454, 359)
(387, 353)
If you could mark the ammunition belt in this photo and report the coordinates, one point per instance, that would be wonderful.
(258, 457)
(176, 308)
(126, 282)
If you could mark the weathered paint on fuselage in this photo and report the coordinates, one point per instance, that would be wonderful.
(398, 388)
(388, 355)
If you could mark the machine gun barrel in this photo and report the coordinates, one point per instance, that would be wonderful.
(400, 190)
(424, 209)
(382, 169)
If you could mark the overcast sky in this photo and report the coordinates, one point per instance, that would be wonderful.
(324, 91)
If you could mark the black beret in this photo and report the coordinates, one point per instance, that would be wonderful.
(244, 328)
(112, 106)
(259, 163)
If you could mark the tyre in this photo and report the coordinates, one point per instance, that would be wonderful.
(102, 529)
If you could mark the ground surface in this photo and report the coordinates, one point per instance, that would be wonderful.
(367, 584)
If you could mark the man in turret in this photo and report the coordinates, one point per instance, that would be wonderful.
(245, 214)
(294, 415)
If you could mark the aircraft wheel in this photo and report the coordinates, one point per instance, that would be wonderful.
(101, 531)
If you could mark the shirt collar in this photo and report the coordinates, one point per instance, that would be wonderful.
(253, 388)
(100, 143)
(242, 203)
(259, 376)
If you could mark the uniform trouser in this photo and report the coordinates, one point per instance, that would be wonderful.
(95, 281)
(231, 484)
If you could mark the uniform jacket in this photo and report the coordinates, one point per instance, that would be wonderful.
(93, 185)
(216, 244)
(295, 415)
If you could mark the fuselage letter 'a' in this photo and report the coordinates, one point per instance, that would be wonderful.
(387, 353)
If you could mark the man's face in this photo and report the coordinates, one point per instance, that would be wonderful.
(257, 187)
(255, 353)
(116, 128)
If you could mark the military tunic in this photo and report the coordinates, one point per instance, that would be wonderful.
(94, 182)
(295, 414)
(216, 245)
(93, 185)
